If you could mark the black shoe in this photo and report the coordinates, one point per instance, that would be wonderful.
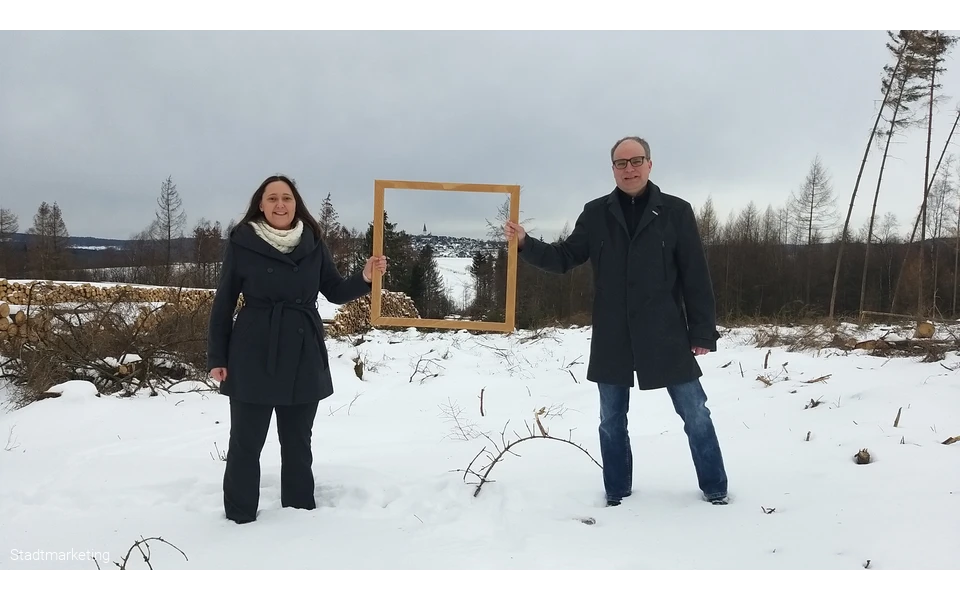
(241, 520)
(613, 503)
(719, 501)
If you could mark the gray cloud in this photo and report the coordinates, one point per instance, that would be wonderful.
(96, 121)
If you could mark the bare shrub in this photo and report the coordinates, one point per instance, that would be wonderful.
(121, 346)
(461, 428)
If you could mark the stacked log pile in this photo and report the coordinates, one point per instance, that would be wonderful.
(40, 293)
(18, 327)
(354, 317)
(38, 303)
(44, 300)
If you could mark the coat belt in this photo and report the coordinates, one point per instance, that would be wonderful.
(277, 308)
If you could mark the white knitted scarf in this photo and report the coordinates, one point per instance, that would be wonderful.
(284, 240)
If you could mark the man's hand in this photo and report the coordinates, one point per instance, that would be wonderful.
(697, 350)
(219, 374)
(511, 230)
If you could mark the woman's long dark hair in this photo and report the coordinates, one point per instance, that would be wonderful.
(302, 212)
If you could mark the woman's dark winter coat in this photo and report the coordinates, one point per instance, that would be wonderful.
(275, 353)
(653, 297)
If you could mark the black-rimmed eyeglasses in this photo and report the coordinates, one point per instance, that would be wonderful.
(637, 161)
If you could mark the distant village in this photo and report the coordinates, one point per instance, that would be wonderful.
(454, 247)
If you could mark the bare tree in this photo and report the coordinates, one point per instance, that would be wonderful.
(941, 208)
(932, 48)
(170, 221)
(748, 225)
(206, 251)
(9, 225)
(769, 227)
(956, 253)
(889, 230)
(920, 213)
(900, 48)
(814, 210)
(708, 224)
(495, 227)
(145, 260)
(906, 93)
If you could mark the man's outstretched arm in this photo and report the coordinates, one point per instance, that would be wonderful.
(557, 257)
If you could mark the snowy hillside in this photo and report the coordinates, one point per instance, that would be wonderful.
(93, 474)
(457, 280)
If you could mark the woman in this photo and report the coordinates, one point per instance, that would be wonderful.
(273, 358)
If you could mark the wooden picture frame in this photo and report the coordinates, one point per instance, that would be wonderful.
(378, 320)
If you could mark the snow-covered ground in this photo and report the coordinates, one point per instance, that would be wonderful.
(82, 473)
(457, 280)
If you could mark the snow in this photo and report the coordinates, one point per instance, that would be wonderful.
(457, 280)
(92, 474)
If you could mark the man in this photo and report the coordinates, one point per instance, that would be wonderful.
(653, 311)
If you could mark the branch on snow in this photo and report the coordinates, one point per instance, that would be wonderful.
(501, 449)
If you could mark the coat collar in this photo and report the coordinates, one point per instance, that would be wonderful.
(246, 237)
(651, 211)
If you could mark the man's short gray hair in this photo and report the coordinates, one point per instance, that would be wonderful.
(639, 140)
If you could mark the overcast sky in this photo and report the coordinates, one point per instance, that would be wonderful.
(96, 121)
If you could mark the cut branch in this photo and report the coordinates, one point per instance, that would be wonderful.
(500, 450)
(140, 545)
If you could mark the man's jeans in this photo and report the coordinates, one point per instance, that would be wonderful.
(689, 400)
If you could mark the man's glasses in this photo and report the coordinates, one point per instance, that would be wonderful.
(637, 161)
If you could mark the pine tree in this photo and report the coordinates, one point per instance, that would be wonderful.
(48, 252)
(328, 218)
(426, 286)
(398, 248)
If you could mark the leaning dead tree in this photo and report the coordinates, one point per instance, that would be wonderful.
(899, 51)
(921, 213)
(906, 94)
(924, 61)
(501, 449)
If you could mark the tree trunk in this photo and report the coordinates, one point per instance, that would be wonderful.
(956, 262)
(937, 232)
(927, 181)
(916, 224)
(856, 185)
(813, 200)
(873, 211)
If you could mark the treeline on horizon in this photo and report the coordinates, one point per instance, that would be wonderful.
(802, 260)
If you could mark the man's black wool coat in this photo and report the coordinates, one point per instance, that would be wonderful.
(653, 297)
